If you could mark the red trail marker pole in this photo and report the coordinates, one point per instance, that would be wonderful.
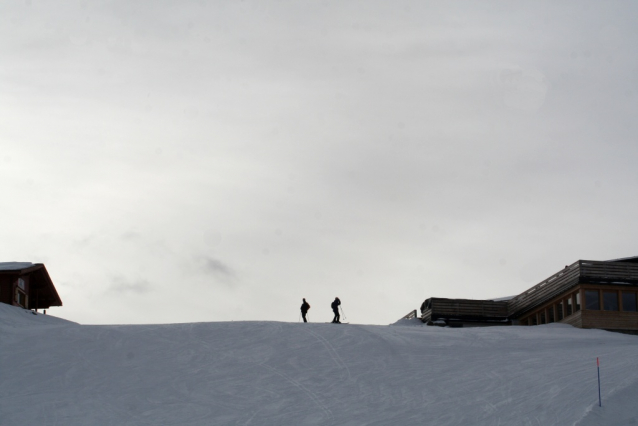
(600, 401)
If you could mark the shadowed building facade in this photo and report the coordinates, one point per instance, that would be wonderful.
(27, 285)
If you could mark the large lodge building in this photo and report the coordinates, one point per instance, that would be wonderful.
(585, 294)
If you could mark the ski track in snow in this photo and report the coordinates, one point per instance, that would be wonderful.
(331, 351)
(58, 373)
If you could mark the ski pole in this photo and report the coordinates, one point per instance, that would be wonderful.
(344, 313)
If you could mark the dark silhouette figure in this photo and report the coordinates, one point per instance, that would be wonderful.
(335, 309)
(304, 309)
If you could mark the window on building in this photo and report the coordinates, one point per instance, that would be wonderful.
(542, 317)
(568, 307)
(610, 300)
(559, 311)
(629, 302)
(592, 300)
(550, 315)
(21, 298)
(533, 320)
(578, 301)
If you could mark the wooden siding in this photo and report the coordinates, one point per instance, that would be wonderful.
(468, 309)
(610, 320)
(575, 319)
(426, 315)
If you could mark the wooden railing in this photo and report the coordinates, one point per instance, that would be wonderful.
(617, 270)
(410, 315)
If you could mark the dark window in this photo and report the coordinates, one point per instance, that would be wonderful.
(559, 311)
(534, 321)
(568, 307)
(578, 301)
(629, 302)
(610, 300)
(21, 298)
(550, 315)
(542, 317)
(592, 300)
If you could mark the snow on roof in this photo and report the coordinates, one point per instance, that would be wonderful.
(14, 266)
(502, 299)
(624, 259)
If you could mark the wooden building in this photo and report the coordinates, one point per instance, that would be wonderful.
(585, 294)
(464, 312)
(27, 285)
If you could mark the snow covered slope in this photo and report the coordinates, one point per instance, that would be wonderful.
(269, 373)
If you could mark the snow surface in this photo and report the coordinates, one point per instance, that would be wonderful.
(14, 266)
(54, 372)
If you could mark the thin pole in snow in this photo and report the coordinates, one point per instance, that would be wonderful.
(600, 401)
(343, 312)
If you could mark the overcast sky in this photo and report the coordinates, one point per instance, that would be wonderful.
(182, 161)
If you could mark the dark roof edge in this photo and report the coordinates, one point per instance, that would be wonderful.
(54, 291)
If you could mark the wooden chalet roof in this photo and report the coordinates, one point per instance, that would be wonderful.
(42, 292)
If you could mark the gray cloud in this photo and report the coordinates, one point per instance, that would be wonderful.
(217, 268)
(121, 285)
(381, 151)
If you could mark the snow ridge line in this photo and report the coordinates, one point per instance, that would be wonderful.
(332, 351)
(310, 393)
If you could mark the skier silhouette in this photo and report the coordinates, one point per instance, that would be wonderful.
(335, 309)
(304, 309)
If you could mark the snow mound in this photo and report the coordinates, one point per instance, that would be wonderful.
(271, 373)
(15, 317)
(414, 322)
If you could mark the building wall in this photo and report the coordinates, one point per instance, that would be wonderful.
(575, 319)
(9, 285)
(610, 320)
(603, 315)
(564, 309)
(6, 290)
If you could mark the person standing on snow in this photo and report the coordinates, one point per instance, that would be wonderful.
(335, 309)
(304, 309)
